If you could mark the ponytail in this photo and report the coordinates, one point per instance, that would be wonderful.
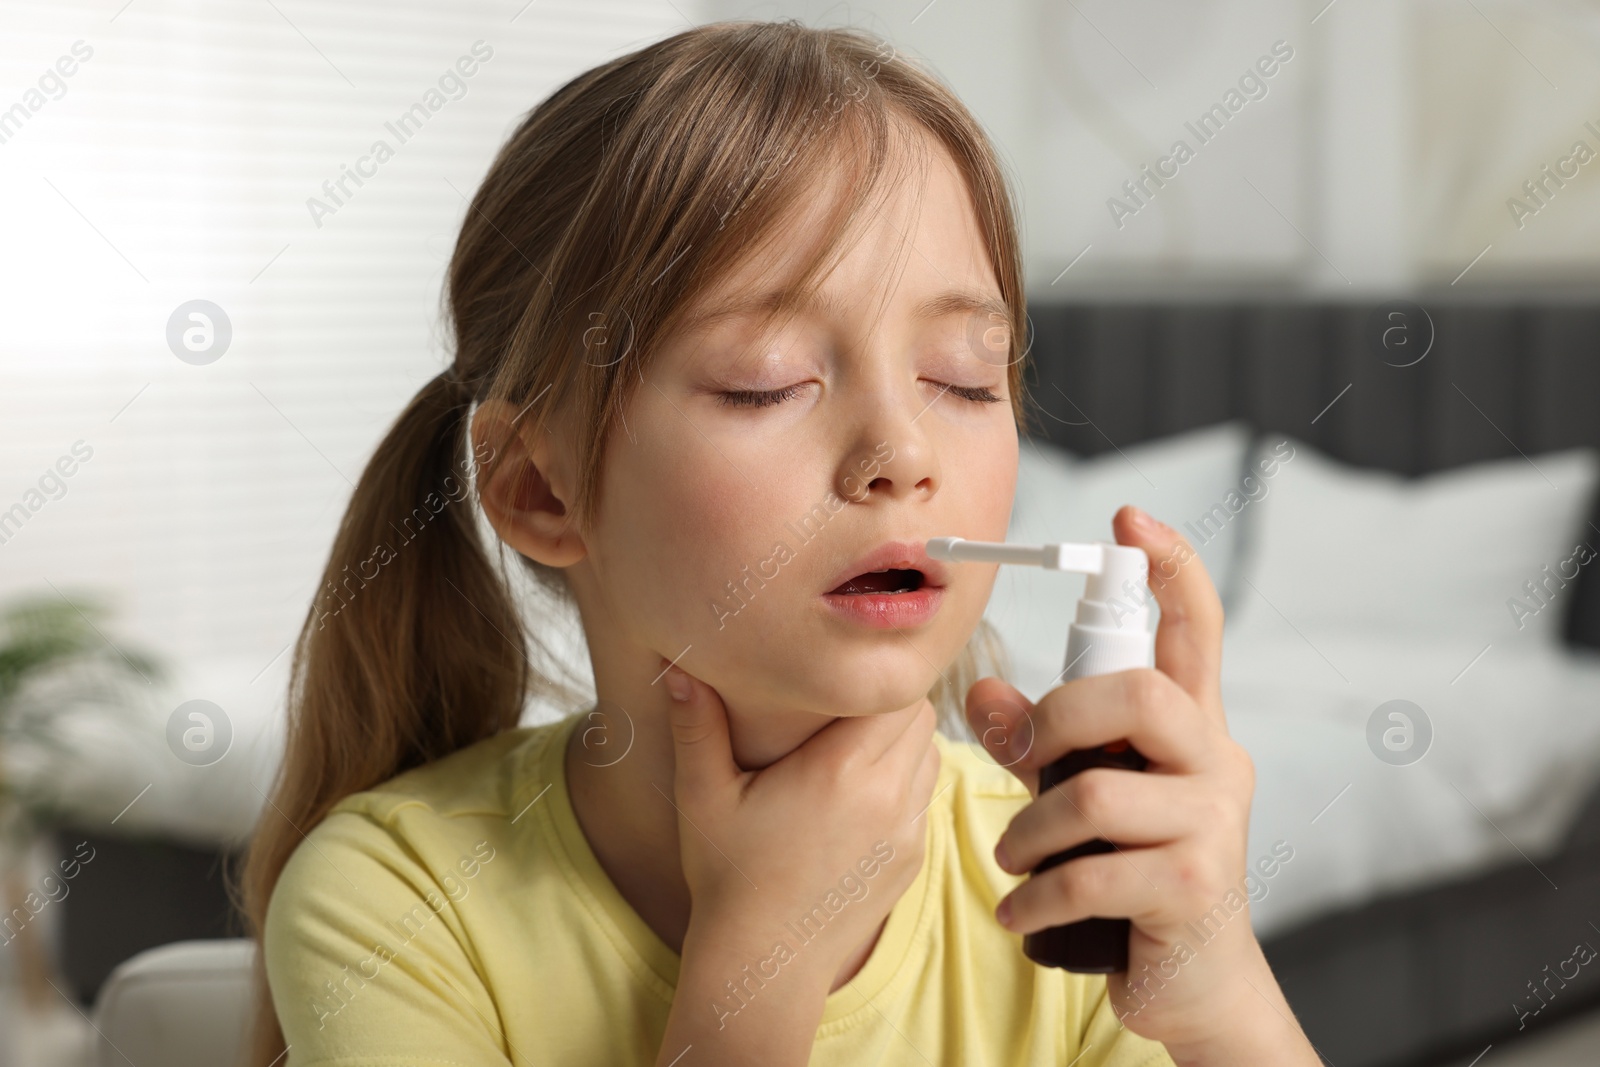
(412, 648)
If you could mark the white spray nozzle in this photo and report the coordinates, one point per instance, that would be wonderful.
(1084, 559)
(1110, 631)
(1111, 568)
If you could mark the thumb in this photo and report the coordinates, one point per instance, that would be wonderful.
(1189, 638)
(702, 750)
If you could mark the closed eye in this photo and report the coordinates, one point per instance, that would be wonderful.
(760, 398)
(981, 394)
(756, 398)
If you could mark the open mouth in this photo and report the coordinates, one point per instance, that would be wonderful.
(890, 581)
(893, 587)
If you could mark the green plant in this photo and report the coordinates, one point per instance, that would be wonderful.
(52, 636)
(53, 639)
(52, 650)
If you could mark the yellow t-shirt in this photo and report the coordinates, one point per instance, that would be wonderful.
(457, 915)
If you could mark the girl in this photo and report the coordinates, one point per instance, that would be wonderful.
(736, 321)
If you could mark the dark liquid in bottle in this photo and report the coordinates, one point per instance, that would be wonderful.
(1089, 946)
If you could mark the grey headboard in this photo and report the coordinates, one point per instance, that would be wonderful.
(1408, 387)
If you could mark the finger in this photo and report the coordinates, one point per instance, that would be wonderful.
(1134, 883)
(1144, 707)
(1001, 718)
(702, 750)
(1114, 805)
(1189, 637)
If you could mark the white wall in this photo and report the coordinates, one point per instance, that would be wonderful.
(1381, 158)
(177, 163)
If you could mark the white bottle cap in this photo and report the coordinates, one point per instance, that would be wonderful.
(1111, 631)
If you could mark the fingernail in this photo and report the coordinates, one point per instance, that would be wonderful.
(1002, 857)
(678, 684)
(1003, 912)
(1143, 521)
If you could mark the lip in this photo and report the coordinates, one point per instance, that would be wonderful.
(895, 555)
(887, 611)
(890, 610)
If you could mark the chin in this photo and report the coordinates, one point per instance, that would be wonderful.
(874, 688)
(780, 658)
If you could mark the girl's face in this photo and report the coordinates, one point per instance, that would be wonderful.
(764, 467)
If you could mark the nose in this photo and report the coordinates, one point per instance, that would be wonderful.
(892, 460)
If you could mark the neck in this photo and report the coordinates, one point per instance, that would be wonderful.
(620, 769)
(620, 774)
(633, 832)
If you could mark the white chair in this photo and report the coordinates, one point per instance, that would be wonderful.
(186, 1004)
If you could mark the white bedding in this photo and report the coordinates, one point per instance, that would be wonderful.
(1518, 736)
(1515, 750)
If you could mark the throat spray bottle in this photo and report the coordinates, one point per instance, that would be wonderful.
(1101, 640)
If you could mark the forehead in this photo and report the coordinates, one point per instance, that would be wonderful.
(915, 241)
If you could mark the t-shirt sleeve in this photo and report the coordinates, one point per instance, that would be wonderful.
(367, 959)
(1105, 1042)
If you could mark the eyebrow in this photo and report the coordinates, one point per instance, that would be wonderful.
(949, 302)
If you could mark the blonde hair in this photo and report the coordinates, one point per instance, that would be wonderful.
(616, 202)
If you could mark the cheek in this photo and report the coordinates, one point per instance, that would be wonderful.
(680, 519)
(1004, 488)
(979, 488)
(982, 476)
(999, 498)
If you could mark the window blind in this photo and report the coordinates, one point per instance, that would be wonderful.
(301, 169)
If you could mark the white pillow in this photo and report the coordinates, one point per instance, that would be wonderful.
(1177, 479)
(1336, 548)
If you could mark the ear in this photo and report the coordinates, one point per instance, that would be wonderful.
(526, 485)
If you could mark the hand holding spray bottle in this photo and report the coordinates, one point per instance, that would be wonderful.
(1099, 641)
